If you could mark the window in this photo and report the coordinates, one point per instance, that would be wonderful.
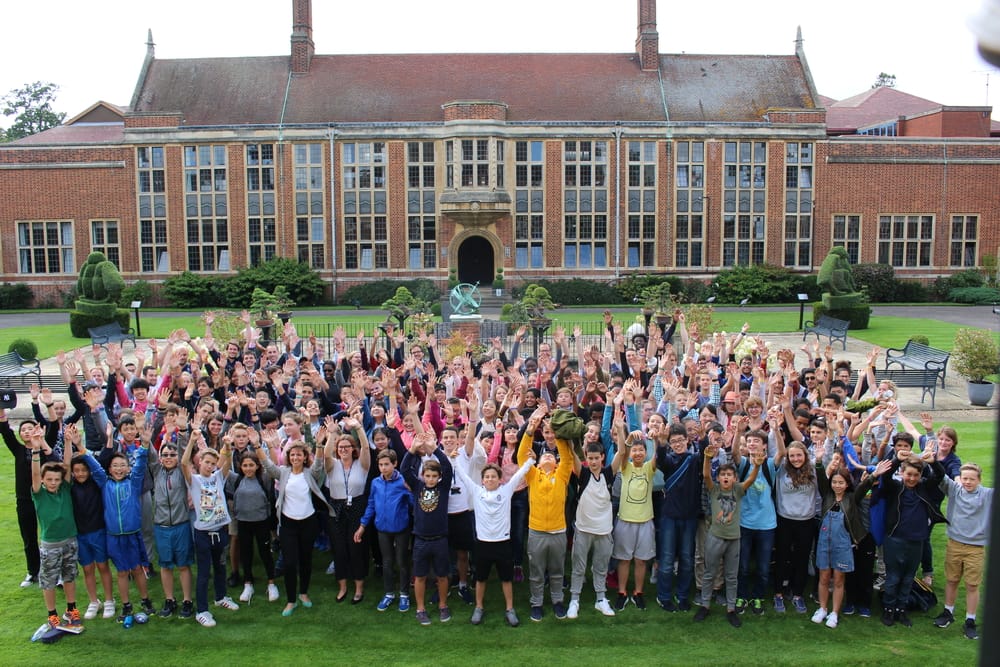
(45, 247)
(847, 234)
(262, 233)
(151, 195)
(421, 225)
(365, 207)
(469, 163)
(689, 204)
(585, 203)
(798, 204)
(310, 222)
(744, 192)
(905, 240)
(529, 204)
(964, 234)
(206, 207)
(104, 238)
(641, 248)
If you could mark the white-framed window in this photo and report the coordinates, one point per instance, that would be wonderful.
(151, 187)
(365, 207)
(689, 204)
(905, 240)
(964, 239)
(262, 231)
(206, 203)
(585, 204)
(744, 202)
(529, 204)
(640, 250)
(847, 234)
(421, 207)
(104, 238)
(798, 204)
(310, 195)
(45, 246)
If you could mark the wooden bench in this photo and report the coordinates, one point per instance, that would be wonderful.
(12, 365)
(111, 333)
(919, 357)
(924, 378)
(828, 326)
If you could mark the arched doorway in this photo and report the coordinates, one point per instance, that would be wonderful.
(475, 261)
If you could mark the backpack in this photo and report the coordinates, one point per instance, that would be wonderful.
(744, 472)
(922, 597)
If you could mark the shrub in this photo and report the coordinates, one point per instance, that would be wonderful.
(694, 291)
(140, 290)
(920, 338)
(579, 292)
(975, 353)
(303, 283)
(80, 322)
(190, 290)
(24, 347)
(15, 296)
(975, 295)
(630, 289)
(911, 291)
(69, 297)
(377, 292)
(761, 283)
(877, 280)
(857, 316)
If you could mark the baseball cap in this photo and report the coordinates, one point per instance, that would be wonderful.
(8, 399)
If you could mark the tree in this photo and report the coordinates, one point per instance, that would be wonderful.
(884, 81)
(31, 105)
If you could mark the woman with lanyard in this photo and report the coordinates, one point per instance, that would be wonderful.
(347, 464)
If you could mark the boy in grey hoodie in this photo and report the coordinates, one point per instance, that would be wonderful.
(172, 527)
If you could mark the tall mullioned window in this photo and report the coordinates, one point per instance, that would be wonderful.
(905, 240)
(689, 204)
(964, 236)
(151, 186)
(104, 238)
(366, 232)
(45, 246)
(641, 248)
(421, 218)
(310, 221)
(262, 233)
(585, 204)
(847, 234)
(744, 203)
(798, 204)
(206, 208)
(529, 204)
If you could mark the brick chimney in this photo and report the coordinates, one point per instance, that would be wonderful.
(647, 44)
(302, 36)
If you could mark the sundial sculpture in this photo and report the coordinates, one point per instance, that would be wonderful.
(465, 299)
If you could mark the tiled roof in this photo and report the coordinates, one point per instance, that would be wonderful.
(878, 105)
(80, 134)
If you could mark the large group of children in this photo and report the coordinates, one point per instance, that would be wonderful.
(716, 468)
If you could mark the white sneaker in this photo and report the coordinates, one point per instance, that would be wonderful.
(247, 593)
(831, 620)
(109, 609)
(28, 581)
(206, 619)
(331, 568)
(272, 593)
(604, 607)
(574, 609)
(227, 603)
(819, 615)
(92, 610)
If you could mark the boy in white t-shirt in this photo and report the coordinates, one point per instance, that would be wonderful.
(594, 527)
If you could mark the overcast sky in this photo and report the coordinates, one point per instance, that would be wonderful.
(93, 50)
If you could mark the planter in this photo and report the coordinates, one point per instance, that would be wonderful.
(980, 393)
(284, 316)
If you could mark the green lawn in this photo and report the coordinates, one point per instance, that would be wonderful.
(345, 634)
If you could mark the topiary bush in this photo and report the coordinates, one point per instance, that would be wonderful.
(857, 316)
(80, 322)
(24, 347)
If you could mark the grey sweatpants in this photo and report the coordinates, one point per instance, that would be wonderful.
(601, 545)
(727, 552)
(546, 554)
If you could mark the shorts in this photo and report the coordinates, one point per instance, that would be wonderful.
(462, 531)
(127, 552)
(93, 547)
(431, 556)
(58, 561)
(964, 560)
(634, 540)
(174, 545)
(488, 554)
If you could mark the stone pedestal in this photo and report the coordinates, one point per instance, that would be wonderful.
(468, 325)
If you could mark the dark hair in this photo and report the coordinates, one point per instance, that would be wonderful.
(904, 437)
(837, 384)
(386, 454)
(677, 429)
(756, 433)
(726, 466)
(432, 466)
(835, 397)
(594, 448)
(268, 415)
(491, 466)
(139, 383)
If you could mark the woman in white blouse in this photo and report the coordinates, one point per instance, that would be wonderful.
(347, 462)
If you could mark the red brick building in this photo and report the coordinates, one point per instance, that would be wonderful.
(549, 165)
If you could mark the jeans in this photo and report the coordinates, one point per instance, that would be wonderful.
(518, 524)
(395, 548)
(676, 543)
(901, 560)
(209, 549)
(755, 546)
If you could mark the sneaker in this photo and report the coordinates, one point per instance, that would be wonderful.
(511, 617)
(423, 618)
(147, 607)
(444, 614)
(969, 629)
(187, 609)
(247, 594)
(757, 606)
(639, 600)
(227, 603)
(536, 613)
(109, 609)
(697, 599)
(465, 594)
(74, 618)
(779, 604)
(800, 604)
(819, 616)
(518, 574)
(944, 619)
(604, 607)
(887, 618)
(404, 603)
(733, 618)
(234, 580)
(54, 621)
(331, 568)
(701, 614)
(848, 610)
(864, 612)
(621, 602)
(206, 619)
(272, 593)
(903, 618)
(169, 607)
(574, 609)
(92, 610)
(477, 616)
(126, 611)
(667, 606)
(559, 609)
(683, 605)
(386, 602)
(831, 620)
(28, 581)
(879, 582)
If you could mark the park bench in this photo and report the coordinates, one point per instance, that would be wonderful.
(919, 357)
(924, 378)
(111, 333)
(827, 326)
(12, 365)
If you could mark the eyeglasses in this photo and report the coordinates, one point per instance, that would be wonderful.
(168, 455)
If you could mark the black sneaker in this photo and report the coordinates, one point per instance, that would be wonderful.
(903, 618)
(465, 594)
(667, 606)
(126, 611)
(187, 609)
(944, 619)
(559, 609)
(169, 607)
(621, 602)
(887, 618)
(969, 629)
(734, 619)
(701, 614)
(684, 605)
(639, 600)
(147, 608)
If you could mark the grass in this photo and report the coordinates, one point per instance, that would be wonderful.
(345, 634)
